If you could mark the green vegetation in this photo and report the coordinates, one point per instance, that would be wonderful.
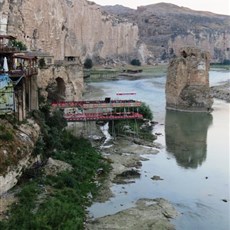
(99, 73)
(133, 127)
(57, 202)
(220, 66)
(226, 62)
(19, 45)
(41, 63)
(8, 142)
(146, 111)
(88, 64)
(156, 70)
(5, 134)
(135, 62)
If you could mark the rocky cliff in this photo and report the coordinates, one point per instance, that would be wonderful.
(78, 28)
(165, 28)
(16, 147)
(69, 28)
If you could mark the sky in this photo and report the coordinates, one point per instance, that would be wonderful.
(215, 6)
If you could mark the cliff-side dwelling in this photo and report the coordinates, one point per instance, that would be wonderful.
(187, 86)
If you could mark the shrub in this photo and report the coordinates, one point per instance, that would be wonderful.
(133, 127)
(41, 63)
(5, 134)
(88, 64)
(135, 62)
(19, 45)
(226, 62)
(146, 111)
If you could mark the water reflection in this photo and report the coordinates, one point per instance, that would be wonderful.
(186, 137)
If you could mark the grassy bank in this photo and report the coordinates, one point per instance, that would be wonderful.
(57, 202)
(220, 66)
(99, 73)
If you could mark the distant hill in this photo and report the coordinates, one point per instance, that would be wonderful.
(118, 10)
(165, 27)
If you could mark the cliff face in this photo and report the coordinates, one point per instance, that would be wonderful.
(62, 81)
(16, 147)
(69, 28)
(80, 28)
(165, 28)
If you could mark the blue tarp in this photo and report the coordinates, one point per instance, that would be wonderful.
(6, 94)
(4, 80)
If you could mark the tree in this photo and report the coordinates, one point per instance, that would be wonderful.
(146, 111)
(135, 62)
(41, 63)
(18, 44)
(88, 64)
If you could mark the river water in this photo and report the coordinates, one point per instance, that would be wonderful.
(194, 161)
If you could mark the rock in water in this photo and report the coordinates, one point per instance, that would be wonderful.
(187, 86)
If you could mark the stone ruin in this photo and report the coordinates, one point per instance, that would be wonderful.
(187, 85)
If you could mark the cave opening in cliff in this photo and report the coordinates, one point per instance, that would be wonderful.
(60, 88)
(56, 90)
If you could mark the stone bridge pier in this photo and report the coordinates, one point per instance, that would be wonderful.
(187, 85)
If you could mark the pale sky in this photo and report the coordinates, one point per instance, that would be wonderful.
(215, 6)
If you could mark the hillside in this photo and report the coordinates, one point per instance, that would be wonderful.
(64, 28)
(165, 27)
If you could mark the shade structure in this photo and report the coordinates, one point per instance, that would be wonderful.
(5, 65)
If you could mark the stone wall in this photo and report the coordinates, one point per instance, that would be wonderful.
(62, 81)
(187, 86)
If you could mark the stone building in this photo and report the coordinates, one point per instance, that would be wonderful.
(187, 86)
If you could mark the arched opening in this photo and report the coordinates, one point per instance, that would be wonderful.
(56, 90)
(60, 88)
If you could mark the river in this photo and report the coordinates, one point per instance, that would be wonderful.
(194, 160)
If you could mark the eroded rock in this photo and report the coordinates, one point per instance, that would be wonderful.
(187, 86)
(53, 167)
(156, 178)
(221, 91)
(16, 147)
(152, 214)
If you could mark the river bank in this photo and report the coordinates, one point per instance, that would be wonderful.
(126, 155)
(184, 166)
(221, 91)
(129, 158)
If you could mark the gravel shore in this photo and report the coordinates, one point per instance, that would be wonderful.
(221, 91)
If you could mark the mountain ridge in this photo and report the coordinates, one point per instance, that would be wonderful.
(165, 27)
(161, 5)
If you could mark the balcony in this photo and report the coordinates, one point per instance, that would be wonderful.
(7, 49)
(27, 72)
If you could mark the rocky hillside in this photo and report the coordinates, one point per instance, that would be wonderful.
(112, 34)
(69, 28)
(165, 28)
(16, 147)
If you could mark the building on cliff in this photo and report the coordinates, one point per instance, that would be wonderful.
(18, 80)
